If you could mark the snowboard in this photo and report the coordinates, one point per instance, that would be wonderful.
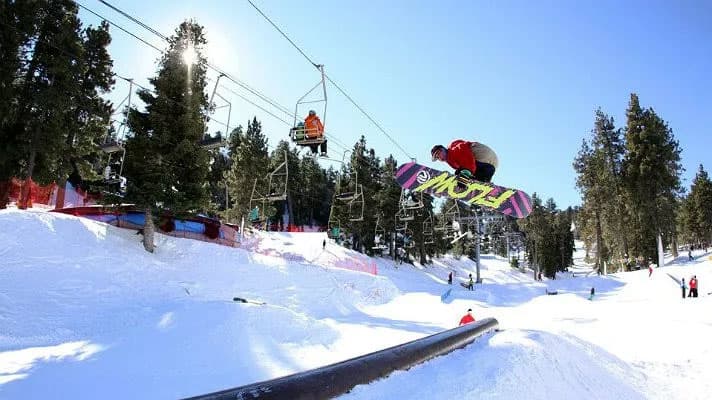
(419, 178)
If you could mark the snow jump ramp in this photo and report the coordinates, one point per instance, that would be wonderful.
(336, 379)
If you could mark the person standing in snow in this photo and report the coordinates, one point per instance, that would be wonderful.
(323, 245)
(467, 318)
(449, 278)
(650, 271)
(683, 285)
(471, 284)
(693, 286)
(593, 292)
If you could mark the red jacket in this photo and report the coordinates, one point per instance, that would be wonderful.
(459, 155)
(693, 283)
(467, 319)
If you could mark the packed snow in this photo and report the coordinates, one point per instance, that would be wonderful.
(86, 313)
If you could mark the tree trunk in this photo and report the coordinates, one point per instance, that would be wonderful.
(4, 193)
(599, 241)
(25, 194)
(674, 246)
(61, 189)
(148, 231)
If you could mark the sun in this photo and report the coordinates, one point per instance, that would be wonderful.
(190, 56)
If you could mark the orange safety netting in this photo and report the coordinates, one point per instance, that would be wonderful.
(25, 193)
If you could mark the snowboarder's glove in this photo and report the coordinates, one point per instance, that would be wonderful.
(464, 173)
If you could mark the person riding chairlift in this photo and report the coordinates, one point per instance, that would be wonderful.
(314, 129)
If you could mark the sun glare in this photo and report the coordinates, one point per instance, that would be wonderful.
(189, 55)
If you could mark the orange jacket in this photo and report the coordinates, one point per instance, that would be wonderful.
(466, 319)
(314, 127)
(459, 155)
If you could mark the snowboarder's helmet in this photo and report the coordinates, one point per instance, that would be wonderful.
(435, 150)
(312, 112)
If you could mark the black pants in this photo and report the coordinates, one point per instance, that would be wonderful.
(683, 293)
(315, 147)
(484, 171)
(693, 292)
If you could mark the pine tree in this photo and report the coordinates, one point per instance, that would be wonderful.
(45, 90)
(18, 34)
(249, 162)
(88, 117)
(599, 180)
(652, 177)
(608, 141)
(165, 165)
(317, 190)
(698, 208)
(589, 165)
(364, 169)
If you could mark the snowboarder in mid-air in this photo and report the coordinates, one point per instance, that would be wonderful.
(471, 160)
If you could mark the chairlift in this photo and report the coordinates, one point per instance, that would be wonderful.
(219, 141)
(356, 205)
(401, 225)
(333, 227)
(303, 136)
(277, 181)
(258, 203)
(354, 199)
(254, 216)
(379, 236)
(428, 230)
(347, 195)
(113, 171)
(449, 221)
(334, 230)
(411, 200)
(276, 188)
(213, 142)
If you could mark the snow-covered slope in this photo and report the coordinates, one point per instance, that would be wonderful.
(86, 313)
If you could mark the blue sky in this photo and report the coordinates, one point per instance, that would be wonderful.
(523, 77)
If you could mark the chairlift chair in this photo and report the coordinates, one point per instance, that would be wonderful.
(333, 226)
(334, 229)
(277, 181)
(428, 230)
(258, 202)
(298, 132)
(379, 236)
(347, 195)
(411, 200)
(212, 143)
(356, 205)
(401, 227)
(405, 215)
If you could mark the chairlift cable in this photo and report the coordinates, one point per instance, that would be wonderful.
(245, 86)
(242, 84)
(331, 80)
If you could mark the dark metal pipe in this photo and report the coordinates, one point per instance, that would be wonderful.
(336, 379)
